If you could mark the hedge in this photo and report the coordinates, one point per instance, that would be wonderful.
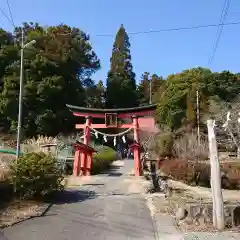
(103, 159)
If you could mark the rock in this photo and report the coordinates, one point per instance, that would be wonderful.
(168, 191)
(181, 213)
(195, 211)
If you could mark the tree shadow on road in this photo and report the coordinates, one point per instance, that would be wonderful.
(73, 196)
(113, 171)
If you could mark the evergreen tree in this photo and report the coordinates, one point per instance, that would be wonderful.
(95, 95)
(121, 83)
(143, 90)
(57, 71)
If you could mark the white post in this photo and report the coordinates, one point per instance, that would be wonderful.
(218, 209)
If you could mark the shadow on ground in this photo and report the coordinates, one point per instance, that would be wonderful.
(113, 171)
(93, 184)
(73, 196)
(2, 237)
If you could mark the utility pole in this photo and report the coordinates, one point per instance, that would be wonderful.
(150, 91)
(20, 98)
(21, 93)
(198, 119)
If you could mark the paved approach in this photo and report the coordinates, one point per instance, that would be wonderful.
(106, 206)
(109, 206)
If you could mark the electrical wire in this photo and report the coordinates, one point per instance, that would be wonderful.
(219, 30)
(172, 29)
(10, 12)
(164, 30)
(6, 16)
(150, 31)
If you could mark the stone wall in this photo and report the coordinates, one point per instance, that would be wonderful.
(201, 213)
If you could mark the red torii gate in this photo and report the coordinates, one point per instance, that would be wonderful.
(111, 117)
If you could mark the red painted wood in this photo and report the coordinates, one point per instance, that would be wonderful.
(83, 147)
(82, 164)
(137, 164)
(139, 114)
(120, 115)
(82, 126)
(147, 124)
(136, 148)
(89, 164)
(86, 140)
(76, 163)
(93, 115)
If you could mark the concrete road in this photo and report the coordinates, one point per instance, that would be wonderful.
(108, 206)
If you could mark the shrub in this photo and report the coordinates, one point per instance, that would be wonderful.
(178, 170)
(232, 175)
(163, 144)
(199, 173)
(103, 159)
(35, 175)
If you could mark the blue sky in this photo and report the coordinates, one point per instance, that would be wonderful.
(161, 53)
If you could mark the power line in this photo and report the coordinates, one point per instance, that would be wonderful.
(10, 12)
(219, 30)
(6, 16)
(165, 30)
(150, 31)
(172, 29)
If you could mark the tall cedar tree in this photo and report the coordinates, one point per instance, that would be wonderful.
(121, 83)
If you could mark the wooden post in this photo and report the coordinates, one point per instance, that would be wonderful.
(86, 140)
(76, 162)
(136, 150)
(89, 164)
(136, 129)
(218, 208)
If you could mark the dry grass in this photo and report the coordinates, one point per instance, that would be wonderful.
(35, 144)
(4, 174)
(5, 160)
(187, 148)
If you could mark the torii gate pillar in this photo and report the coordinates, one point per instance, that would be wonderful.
(136, 147)
(84, 160)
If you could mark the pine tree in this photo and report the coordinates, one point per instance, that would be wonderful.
(121, 83)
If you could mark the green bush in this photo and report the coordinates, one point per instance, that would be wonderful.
(103, 159)
(35, 175)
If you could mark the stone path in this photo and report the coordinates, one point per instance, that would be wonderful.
(107, 206)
